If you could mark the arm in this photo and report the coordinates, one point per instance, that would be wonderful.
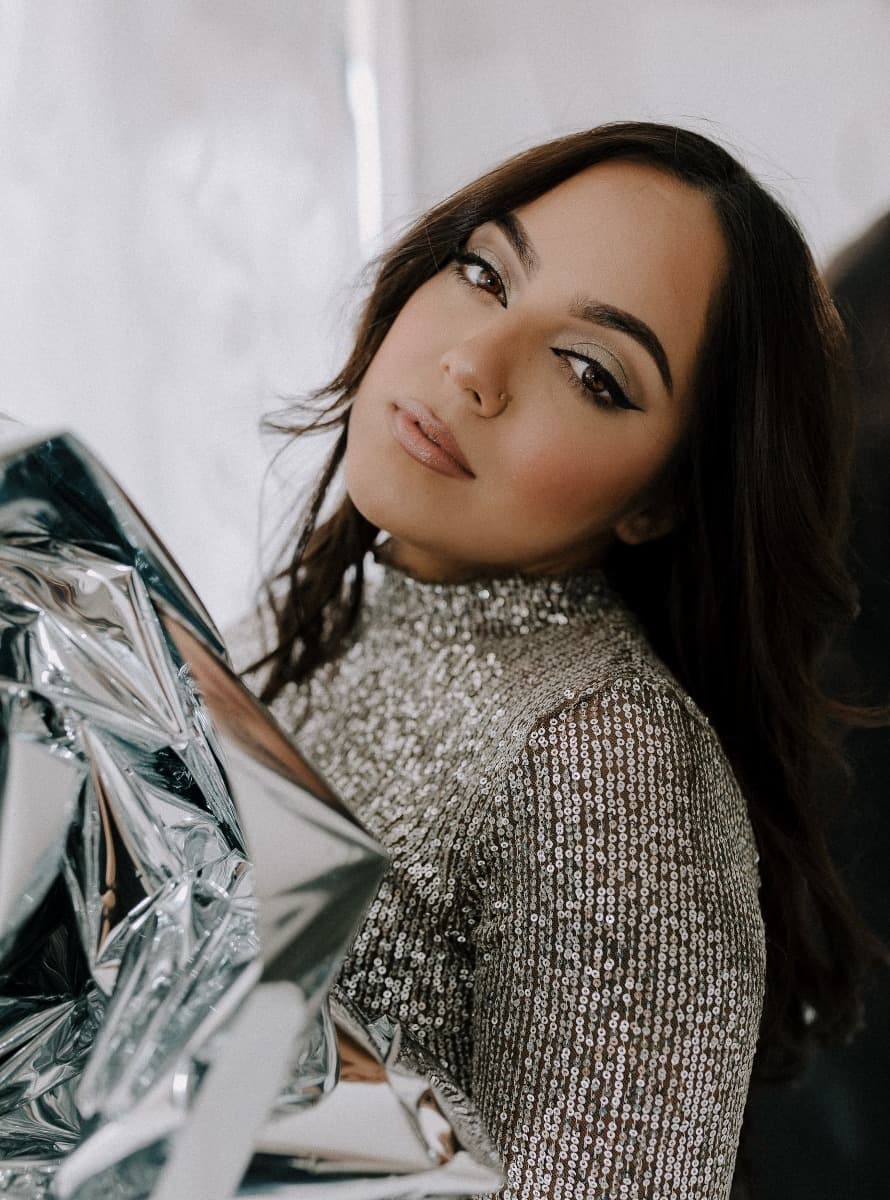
(619, 956)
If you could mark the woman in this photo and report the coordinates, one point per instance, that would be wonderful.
(595, 433)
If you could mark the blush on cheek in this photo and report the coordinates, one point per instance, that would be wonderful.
(567, 486)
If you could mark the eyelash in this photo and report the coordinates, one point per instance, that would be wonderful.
(465, 258)
(462, 258)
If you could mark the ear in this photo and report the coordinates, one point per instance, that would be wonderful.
(644, 525)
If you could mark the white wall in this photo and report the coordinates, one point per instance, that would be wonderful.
(800, 89)
(177, 238)
(179, 183)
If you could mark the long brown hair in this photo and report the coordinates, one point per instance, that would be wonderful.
(741, 599)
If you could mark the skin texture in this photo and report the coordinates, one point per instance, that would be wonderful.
(558, 473)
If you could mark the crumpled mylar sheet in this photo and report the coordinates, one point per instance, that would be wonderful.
(178, 887)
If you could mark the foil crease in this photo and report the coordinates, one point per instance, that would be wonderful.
(178, 887)
(392, 1122)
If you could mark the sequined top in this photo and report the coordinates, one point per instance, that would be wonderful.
(571, 923)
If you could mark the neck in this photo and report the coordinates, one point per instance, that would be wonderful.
(425, 567)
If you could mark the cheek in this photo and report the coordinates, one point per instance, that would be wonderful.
(411, 340)
(367, 484)
(583, 474)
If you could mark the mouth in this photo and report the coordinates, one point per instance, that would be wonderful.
(428, 440)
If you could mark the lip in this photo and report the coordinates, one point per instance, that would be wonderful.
(414, 426)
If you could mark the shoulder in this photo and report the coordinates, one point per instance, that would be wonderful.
(623, 798)
(638, 756)
(605, 670)
(645, 720)
(647, 724)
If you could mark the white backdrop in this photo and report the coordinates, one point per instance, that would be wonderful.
(799, 88)
(177, 233)
(187, 188)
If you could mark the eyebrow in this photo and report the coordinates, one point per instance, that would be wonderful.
(606, 316)
(609, 317)
(514, 231)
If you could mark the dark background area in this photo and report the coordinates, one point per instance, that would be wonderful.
(826, 1137)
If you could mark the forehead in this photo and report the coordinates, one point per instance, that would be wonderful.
(634, 236)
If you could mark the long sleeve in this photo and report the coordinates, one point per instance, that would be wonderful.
(619, 954)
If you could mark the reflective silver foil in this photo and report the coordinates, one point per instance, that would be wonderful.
(394, 1125)
(178, 887)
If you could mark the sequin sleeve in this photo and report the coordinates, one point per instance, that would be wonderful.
(619, 955)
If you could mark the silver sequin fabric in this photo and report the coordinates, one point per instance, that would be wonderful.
(571, 923)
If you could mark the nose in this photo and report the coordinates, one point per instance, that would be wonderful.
(478, 368)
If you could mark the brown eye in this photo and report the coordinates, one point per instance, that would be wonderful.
(480, 275)
(594, 381)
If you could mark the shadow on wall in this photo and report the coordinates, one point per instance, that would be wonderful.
(825, 1138)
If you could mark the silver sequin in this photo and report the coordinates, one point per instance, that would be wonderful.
(571, 923)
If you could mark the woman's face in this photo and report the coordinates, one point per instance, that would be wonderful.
(558, 350)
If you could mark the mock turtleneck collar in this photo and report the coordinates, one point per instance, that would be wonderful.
(497, 606)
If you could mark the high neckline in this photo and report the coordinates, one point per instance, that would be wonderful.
(494, 606)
